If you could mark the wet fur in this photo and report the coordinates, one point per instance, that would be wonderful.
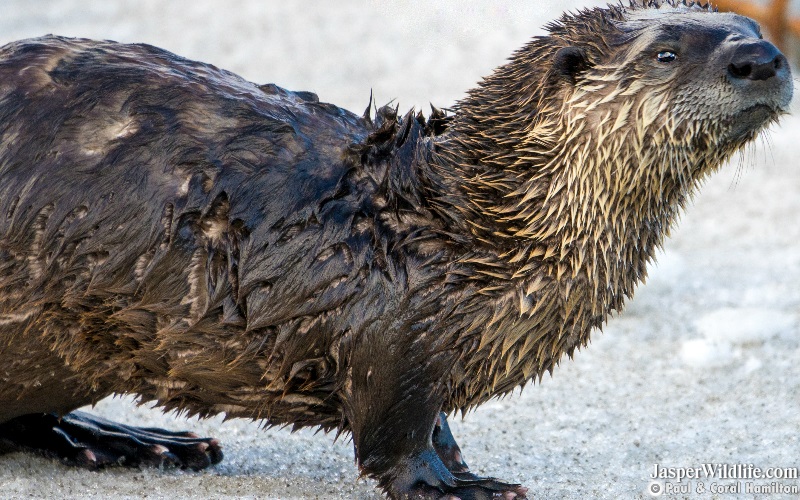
(172, 231)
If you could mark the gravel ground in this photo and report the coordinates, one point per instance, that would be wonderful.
(703, 366)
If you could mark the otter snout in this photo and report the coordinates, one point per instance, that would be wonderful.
(757, 60)
(760, 72)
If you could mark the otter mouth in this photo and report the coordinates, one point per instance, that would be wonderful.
(746, 123)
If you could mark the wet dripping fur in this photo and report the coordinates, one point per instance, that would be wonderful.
(172, 231)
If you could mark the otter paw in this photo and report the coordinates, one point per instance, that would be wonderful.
(486, 489)
(472, 487)
(92, 442)
(425, 476)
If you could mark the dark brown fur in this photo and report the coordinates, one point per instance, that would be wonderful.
(172, 231)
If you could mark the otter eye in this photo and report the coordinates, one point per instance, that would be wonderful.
(666, 56)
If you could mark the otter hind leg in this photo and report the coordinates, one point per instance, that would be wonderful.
(92, 442)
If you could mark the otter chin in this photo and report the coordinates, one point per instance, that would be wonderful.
(173, 231)
(746, 124)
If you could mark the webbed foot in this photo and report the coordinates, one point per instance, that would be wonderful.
(93, 442)
(448, 450)
(425, 476)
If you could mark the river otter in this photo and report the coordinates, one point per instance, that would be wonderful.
(170, 230)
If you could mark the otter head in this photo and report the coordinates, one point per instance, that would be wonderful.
(616, 114)
(578, 154)
(682, 85)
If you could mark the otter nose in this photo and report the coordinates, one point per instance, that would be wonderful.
(759, 60)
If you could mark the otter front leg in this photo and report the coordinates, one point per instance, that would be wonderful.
(88, 441)
(393, 409)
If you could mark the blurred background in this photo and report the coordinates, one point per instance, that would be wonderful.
(703, 366)
(339, 50)
(411, 51)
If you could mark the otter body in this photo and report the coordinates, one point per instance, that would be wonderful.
(170, 230)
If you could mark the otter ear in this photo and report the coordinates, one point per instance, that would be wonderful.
(569, 61)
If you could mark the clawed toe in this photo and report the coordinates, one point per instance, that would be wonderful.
(91, 442)
(117, 444)
(488, 489)
(485, 489)
(424, 476)
(490, 483)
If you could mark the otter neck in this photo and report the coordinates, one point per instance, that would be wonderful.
(541, 185)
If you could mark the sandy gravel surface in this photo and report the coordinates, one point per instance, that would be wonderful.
(703, 367)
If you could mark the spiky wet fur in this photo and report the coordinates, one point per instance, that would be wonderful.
(218, 247)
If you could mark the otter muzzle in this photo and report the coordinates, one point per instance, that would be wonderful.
(758, 60)
(762, 72)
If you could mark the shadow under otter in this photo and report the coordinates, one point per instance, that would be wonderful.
(170, 230)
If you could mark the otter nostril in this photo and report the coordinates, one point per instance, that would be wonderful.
(740, 71)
